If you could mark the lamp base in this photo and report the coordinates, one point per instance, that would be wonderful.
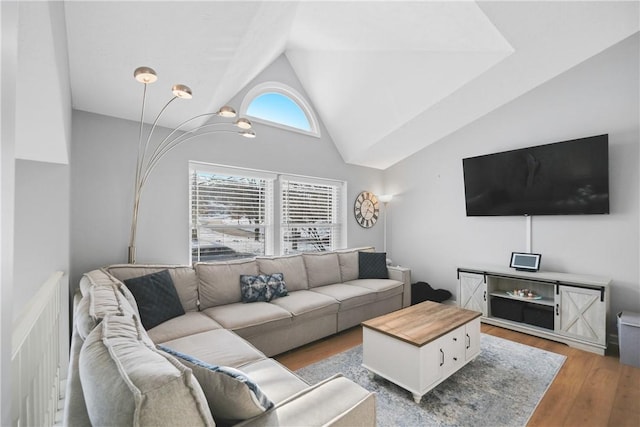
(132, 254)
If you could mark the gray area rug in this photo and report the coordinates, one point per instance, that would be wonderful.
(501, 387)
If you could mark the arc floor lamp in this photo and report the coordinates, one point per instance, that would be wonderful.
(150, 153)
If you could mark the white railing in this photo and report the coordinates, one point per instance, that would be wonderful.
(35, 357)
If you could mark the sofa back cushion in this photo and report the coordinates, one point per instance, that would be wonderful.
(292, 268)
(126, 381)
(322, 268)
(103, 295)
(220, 281)
(348, 259)
(184, 279)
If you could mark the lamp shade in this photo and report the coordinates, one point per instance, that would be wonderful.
(227, 111)
(182, 91)
(385, 198)
(145, 75)
(243, 123)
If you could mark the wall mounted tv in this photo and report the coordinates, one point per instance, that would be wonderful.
(563, 178)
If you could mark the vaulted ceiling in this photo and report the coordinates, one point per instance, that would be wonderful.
(387, 78)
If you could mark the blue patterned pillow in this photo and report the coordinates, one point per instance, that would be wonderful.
(277, 285)
(156, 297)
(262, 287)
(231, 395)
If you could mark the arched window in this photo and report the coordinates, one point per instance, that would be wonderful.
(279, 105)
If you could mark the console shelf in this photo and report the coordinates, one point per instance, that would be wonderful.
(568, 308)
(542, 301)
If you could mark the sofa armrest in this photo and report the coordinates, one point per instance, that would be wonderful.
(402, 274)
(336, 401)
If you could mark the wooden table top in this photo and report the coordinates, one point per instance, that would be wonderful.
(421, 323)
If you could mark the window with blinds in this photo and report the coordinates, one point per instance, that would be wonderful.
(311, 217)
(242, 213)
(230, 213)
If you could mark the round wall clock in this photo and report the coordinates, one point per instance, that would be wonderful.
(366, 209)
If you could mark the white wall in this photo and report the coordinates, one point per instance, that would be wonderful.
(102, 173)
(41, 227)
(428, 225)
(8, 78)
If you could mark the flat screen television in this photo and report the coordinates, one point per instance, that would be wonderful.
(563, 178)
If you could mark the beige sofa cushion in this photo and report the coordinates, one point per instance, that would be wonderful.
(275, 380)
(220, 281)
(218, 347)
(349, 296)
(98, 302)
(292, 267)
(192, 322)
(250, 319)
(183, 277)
(322, 269)
(384, 288)
(307, 304)
(348, 259)
(336, 401)
(126, 381)
(95, 277)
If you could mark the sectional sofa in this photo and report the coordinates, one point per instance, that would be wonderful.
(182, 345)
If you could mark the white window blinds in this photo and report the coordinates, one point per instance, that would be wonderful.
(311, 215)
(231, 213)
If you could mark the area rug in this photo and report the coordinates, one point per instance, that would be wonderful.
(501, 387)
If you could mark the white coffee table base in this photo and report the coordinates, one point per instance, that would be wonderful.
(419, 369)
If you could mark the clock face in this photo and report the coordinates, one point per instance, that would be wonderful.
(366, 209)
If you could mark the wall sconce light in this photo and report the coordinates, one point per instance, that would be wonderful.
(149, 154)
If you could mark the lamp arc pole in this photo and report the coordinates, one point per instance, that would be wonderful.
(149, 154)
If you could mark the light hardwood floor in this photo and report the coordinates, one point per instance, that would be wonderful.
(589, 390)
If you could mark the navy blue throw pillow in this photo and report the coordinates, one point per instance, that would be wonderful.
(156, 297)
(372, 265)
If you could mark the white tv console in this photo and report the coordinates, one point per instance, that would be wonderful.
(569, 308)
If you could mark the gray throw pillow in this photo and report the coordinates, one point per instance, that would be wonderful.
(372, 265)
(156, 297)
(231, 394)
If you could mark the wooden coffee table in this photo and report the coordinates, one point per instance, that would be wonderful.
(420, 346)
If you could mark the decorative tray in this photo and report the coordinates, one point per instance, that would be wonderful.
(523, 294)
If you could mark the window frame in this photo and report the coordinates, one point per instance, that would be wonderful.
(339, 211)
(274, 224)
(289, 92)
(236, 172)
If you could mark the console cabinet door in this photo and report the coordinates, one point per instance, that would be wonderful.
(581, 314)
(473, 292)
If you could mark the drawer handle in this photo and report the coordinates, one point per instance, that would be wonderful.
(485, 295)
(455, 339)
(455, 359)
(557, 309)
(468, 341)
(442, 357)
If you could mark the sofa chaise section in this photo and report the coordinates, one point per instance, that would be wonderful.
(110, 341)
